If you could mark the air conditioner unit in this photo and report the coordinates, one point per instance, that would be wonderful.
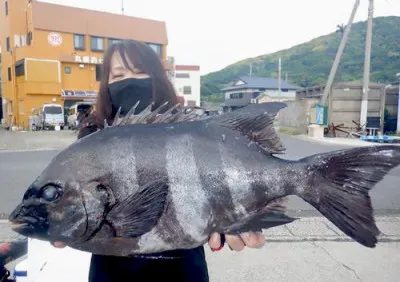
(253, 101)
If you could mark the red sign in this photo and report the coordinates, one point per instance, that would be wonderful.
(54, 39)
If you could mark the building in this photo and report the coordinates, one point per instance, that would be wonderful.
(251, 89)
(187, 84)
(52, 53)
(1, 89)
(344, 105)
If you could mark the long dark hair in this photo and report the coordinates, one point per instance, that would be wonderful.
(143, 58)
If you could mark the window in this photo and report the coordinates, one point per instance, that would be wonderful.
(6, 7)
(10, 107)
(79, 42)
(97, 44)
(187, 90)
(29, 38)
(111, 41)
(9, 74)
(98, 72)
(8, 44)
(67, 70)
(20, 68)
(53, 110)
(236, 95)
(156, 48)
(182, 75)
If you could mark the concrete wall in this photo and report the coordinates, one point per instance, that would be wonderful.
(345, 104)
(284, 94)
(296, 115)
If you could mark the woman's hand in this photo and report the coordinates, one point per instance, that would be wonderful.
(59, 245)
(237, 243)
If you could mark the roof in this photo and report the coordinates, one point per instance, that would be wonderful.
(260, 82)
(61, 18)
(187, 68)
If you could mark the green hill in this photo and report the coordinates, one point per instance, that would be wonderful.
(310, 63)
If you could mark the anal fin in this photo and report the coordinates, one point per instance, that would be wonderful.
(263, 221)
(272, 215)
(140, 212)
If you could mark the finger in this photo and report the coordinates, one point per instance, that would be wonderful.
(235, 242)
(58, 244)
(215, 242)
(253, 239)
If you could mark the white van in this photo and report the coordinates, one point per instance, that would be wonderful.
(74, 111)
(51, 115)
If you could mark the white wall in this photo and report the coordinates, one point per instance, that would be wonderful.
(193, 81)
(275, 93)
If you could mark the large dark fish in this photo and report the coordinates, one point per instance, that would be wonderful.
(156, 182)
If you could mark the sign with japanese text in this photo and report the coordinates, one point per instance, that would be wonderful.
(78, 93)
(88, 59)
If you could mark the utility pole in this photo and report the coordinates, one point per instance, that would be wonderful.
(122, 6)
(279, 78)
(367, 63)
(398, 108)
(339, 54)
(251, 69)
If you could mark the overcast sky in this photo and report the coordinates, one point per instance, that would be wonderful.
(216, 33)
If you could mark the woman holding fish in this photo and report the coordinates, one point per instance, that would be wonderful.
(132, 72)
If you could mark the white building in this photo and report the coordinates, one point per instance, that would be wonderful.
(187, 84)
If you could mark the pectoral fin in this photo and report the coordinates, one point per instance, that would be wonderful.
(140, 212)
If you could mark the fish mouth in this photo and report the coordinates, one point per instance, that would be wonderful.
(21, 227)
(28, 228)
(23, 222)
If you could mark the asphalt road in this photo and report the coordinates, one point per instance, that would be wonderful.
(19, 169)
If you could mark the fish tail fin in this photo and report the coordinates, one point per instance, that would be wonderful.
(340, 185)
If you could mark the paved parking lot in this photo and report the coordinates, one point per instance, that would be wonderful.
(37, 140)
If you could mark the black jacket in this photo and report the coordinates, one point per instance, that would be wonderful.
(187, 265)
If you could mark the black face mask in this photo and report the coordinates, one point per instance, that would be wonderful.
(126, 93)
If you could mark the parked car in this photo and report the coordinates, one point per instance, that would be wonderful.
(74, 110)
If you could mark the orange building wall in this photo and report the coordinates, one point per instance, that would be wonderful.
(44, 77)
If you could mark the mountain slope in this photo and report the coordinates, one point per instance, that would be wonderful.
(310, 63)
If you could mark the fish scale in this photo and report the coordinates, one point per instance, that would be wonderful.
(166, 180)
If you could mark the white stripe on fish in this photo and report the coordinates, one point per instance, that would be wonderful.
(187, 193)
(237, 179)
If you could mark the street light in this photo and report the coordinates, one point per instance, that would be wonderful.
(398, 106)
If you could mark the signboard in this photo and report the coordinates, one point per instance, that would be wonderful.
(78, 93)
(319, 115)
(54, 39)
(87, 60)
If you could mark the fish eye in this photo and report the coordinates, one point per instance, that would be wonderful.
(50, 193)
